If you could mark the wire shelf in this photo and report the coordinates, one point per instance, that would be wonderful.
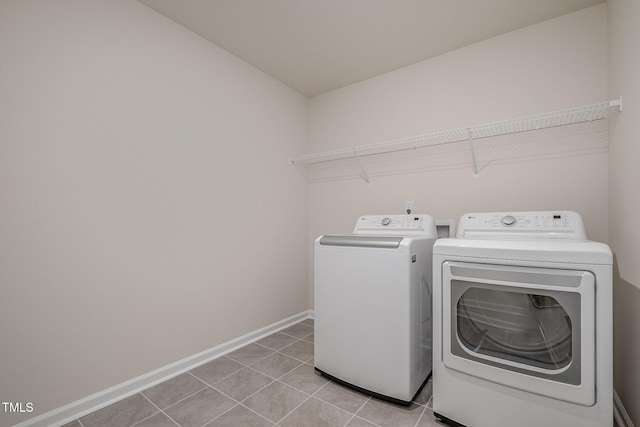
(370, 155)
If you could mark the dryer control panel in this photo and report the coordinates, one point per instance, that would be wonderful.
(399, 225)
(522, 225)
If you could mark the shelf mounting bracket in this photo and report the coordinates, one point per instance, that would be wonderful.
(473, 152)
(616, 103)
(364, 172)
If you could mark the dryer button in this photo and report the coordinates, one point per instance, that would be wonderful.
(508, 220)
(386, 221)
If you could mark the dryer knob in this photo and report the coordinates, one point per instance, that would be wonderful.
(509, 220)
(386, 221)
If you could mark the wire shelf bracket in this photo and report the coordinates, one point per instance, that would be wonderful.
(473, 153)
(364, 171)
(587, 113)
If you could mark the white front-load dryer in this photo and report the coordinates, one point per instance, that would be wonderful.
(373, 299)
(522, 323)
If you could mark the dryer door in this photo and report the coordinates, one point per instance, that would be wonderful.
(522, 327)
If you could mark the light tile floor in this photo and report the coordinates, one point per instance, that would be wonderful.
(268, 383)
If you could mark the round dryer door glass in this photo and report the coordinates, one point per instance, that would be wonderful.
(526, 328)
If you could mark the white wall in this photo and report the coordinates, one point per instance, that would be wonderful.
(624, 203)
(147, 210)
(554, 65)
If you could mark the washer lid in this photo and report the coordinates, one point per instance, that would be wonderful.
(559, 251)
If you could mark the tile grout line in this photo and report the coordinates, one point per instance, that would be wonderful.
(248, 396)
(365, 420)
(293, 410)
(160, 411)
(309, 396)
(223, 378)
(424, 409)
(239, 402)
(262, 388)
(354, 414)
(205, 386)
(273, 380)
(250, 366)
(279, 380)
(255, 361)
(284, 354)
(299, 338)
(295, 358)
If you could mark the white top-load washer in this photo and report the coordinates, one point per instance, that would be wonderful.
(373, 305)
(522, 323)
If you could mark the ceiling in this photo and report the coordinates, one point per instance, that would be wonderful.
(315, 46)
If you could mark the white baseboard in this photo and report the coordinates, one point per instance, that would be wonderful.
(89, 404)
(620, 414)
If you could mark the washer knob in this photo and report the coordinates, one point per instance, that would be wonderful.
(509, 220)
(386, 221)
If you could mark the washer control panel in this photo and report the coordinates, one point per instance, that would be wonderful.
(536, 224)
(509, 220)
(404, 225)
